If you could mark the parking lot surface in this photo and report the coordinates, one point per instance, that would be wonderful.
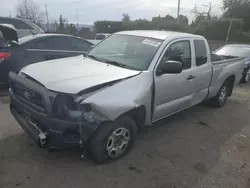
(199, 147)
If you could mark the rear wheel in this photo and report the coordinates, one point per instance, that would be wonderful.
(221, 98)
(112, 140)
(246, 76)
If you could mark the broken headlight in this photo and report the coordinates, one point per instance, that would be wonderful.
(93, 117)
(63, 103)
(66, 106)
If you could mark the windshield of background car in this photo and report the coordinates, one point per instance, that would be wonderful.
(131, 51)
(238, 51)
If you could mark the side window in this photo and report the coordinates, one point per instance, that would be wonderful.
(200, 52)
(52, 43)
(78, 44)
(179, 51)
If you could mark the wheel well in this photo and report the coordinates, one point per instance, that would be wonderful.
(230, 83)
(138, 115)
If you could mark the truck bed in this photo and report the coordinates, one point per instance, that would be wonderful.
(223, 69)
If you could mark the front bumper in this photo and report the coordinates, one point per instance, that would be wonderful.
(42, 127)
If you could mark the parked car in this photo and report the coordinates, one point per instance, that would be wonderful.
(129, 80)
(36, 48)
(237, 50)
(101, 36)
(94, 42)
(24, 27)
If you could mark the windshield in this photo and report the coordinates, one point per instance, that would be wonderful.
(131, 51)
(238, 51)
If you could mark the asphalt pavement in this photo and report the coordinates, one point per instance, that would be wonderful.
(199, 147)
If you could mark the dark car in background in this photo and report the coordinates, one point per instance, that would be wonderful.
(16, 53)
(237, 50)
(24, 27)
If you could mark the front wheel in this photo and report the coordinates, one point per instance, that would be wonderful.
(221, 98)
(112, 140)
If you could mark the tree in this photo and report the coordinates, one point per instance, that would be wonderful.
(204, 13)
(125, 17)
(86, 33)
(166, 18)
(239, 9)
(70, 29)
(62, 24)
(28, 9)
(183, 20)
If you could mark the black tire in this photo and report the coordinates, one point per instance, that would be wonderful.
(245, 76)
(98, 142)
(218, 101)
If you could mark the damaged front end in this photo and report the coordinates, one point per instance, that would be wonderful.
(63, 120)
(52, 119)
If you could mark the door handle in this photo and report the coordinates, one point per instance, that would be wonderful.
(190, 77)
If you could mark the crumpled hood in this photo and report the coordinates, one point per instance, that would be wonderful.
(74, 74)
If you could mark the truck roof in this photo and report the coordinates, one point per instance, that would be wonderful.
(158, 34)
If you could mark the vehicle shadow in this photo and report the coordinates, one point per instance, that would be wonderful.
(186, 144)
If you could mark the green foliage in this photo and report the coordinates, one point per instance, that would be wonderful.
(239, 9)
(108, 26)
(126, 17)
(161, 23)
(205, 24)
(217, 30)
(86, 33)
(183, 20)
(65, 28)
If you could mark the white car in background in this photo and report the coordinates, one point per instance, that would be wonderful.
(23, 27)
(101, 36)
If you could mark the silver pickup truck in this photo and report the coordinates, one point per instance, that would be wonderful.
(130, 79)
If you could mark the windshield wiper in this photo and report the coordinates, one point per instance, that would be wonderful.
(94, 57)
(115, 63)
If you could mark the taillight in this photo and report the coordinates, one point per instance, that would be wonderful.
(4, 55)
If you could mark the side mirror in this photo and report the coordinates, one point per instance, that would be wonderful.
(170, 67)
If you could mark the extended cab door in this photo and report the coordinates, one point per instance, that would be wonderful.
(202, 70)
(173, 92)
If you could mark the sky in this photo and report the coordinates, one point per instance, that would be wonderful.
(88, 11)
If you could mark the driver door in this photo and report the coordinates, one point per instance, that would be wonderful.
(173, 92)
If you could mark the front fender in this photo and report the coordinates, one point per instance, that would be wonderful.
(123, 96)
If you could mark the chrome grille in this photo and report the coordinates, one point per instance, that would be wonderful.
(29, 97)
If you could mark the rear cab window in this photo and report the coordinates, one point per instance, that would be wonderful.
(200, 52)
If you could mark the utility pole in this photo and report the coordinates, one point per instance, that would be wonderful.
(10, 14)
(229, 29)
(77, 24)
(47, 16)
(178, 10)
